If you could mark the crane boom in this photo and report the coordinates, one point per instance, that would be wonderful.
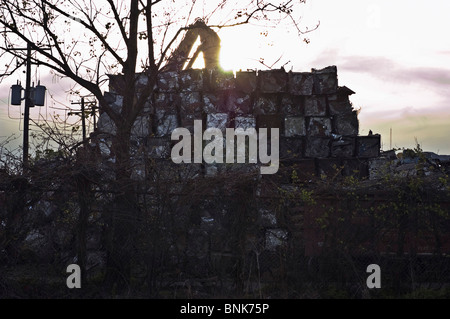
(210, 46)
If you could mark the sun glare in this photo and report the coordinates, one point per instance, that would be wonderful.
(240, 49)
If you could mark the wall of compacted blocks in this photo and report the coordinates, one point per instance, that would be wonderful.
(318, 125)
(318, 133)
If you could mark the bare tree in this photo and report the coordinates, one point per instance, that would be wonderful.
(85, 40)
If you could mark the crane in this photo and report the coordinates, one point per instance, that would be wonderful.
(210, 46)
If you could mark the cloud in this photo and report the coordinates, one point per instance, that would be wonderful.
(379, 66)
(437, 79)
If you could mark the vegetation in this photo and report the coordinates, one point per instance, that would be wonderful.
(228, 235)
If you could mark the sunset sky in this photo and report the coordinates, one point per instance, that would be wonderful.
(395, 54)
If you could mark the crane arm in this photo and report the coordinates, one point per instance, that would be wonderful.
(210, 46)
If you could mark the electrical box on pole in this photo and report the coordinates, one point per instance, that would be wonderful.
(39, 95)
(16, 94)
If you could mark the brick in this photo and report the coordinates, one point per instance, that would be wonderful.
(339, 105)
(239, 102)
(346, 124)
(294, 126)
(343, 147)
(266, 104)
(317, 147)
(268, 121)
(368, 146)
(106, 125)
(245, 122)
(158, 147)
(191, 80)
(217, 120)
(319, 126)
(187, 121)
(325, 80)
(116, 82)
(215, 102)
(301, 83)
(219, 80)
(167, 82)
(142, 82)
(246, 81)
(190, 103)
(167, 102)
(115, 101)
(141, 127)
(315, 106)
(272, 81)
(292, 105)
(165, 123)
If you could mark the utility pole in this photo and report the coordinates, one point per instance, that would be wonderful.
(28, 104)
(83, 117)
(83, 121)
(390, 139)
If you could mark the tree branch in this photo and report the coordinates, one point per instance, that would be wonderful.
(89, 27)
(119, 22)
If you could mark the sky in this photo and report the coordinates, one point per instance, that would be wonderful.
(395, 54)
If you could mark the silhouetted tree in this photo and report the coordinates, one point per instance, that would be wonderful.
(86, 40)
